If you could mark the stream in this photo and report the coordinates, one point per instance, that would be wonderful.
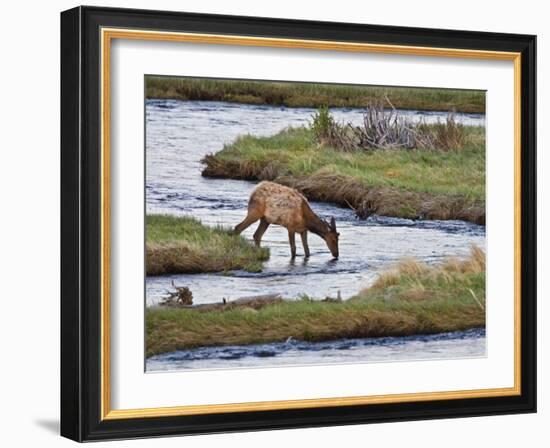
(180, 133)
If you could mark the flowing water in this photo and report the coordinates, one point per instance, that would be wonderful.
(180, 133)
(464, 344)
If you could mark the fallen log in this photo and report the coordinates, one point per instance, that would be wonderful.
(253, 302)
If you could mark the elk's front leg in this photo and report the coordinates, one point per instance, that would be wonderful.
(304, 243)
(292, 242)
(260, 231)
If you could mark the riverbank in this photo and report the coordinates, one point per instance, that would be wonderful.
(413, 184)
(411, 299)
(182, 245)
(292, 94)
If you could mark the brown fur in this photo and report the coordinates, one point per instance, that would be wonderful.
(272, 203)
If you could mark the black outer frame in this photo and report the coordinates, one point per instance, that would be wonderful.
(81, 207)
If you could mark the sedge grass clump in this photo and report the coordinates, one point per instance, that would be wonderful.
(447, 136)
(183, 245)
(450, 135)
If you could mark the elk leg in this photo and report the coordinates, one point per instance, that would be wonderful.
(247, 222)
(292, 242)
(260, 231)
(304, 243)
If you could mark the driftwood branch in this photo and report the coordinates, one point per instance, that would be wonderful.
(182, 296)
(384, 128)
(253, 303)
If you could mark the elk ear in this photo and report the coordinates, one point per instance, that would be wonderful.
(333, 223)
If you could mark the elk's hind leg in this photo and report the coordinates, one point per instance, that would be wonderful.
(304, 243)
(247, 222)
(260, 231)
(255, 212)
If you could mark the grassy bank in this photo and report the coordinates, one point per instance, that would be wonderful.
(400, 183)
(294, 94)
(412, 299)
(181, 245)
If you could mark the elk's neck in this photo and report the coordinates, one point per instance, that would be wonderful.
(314, 223)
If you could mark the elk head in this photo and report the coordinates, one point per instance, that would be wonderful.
(331, 238)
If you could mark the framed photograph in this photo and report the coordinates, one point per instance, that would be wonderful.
(275, 224)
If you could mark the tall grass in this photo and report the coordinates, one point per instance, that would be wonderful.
(182, 245)
(296, 94)
(413, 299)
(447, 136)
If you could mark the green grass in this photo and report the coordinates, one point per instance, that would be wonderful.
(403, 183)
(294, 94)
(452, 172)
(412, 299)
(182, 245)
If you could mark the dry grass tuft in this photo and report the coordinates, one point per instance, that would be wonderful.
(472, 265)
(447, 136)
(418, 275)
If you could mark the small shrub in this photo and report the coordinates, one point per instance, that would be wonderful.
(328, 132)
(385, 129)
(323, 125)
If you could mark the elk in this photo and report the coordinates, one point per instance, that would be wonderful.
(273, 203)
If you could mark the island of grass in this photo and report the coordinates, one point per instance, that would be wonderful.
(295, 94)
(182, 245)
(412, 299)
(405, 183)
